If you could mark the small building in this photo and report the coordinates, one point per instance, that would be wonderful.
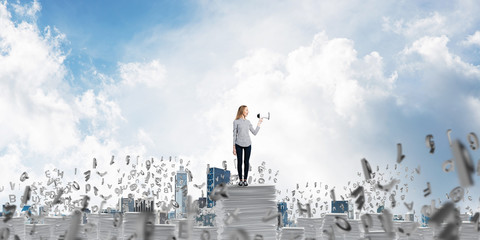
(215, 176)
(162, 217)
(202, 202)
(283, 210)
(171, 215)
(127, 205)
(339, 207)
(425, 220)
(181, 192)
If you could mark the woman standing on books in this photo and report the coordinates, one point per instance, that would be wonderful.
(242, 143)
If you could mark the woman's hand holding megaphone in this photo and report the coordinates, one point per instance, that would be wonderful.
(259, 121)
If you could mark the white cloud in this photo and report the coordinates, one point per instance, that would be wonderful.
(435, 53)
(32, 72)
(435, 24)
(332, 102)
(317, 95)
(473, 39)
(103, 114)
(151, 74)
(27, 10)
(332, 65)
(442, 85)
(432, 49)
(86, 104)
(472, 105)
(43, 122)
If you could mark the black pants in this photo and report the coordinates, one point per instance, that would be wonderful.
(240, 150)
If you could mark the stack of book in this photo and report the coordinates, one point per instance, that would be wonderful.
(380, 235)
(288, 233)
(16, 225)
(164, 231)
(248, 212)
(375, 230)
(37, 231)
(131, 224)
(59, 225)
(425, 232)
(91, 228)
(312, 226)
(106, 228)
(206, 233)
(355, 232)
(183, 228)
(407, 230)
(468, 230)
(329, 225)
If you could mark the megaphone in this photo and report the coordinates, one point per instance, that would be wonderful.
(263, 116)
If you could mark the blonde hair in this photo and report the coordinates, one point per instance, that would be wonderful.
(240, 111)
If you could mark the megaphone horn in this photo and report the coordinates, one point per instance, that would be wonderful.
(263, 116)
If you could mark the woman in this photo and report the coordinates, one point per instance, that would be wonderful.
(242, 142)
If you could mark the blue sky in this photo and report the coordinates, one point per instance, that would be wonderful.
(97, 32)
(343, 81)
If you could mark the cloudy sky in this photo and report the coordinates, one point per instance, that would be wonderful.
(343, 80)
